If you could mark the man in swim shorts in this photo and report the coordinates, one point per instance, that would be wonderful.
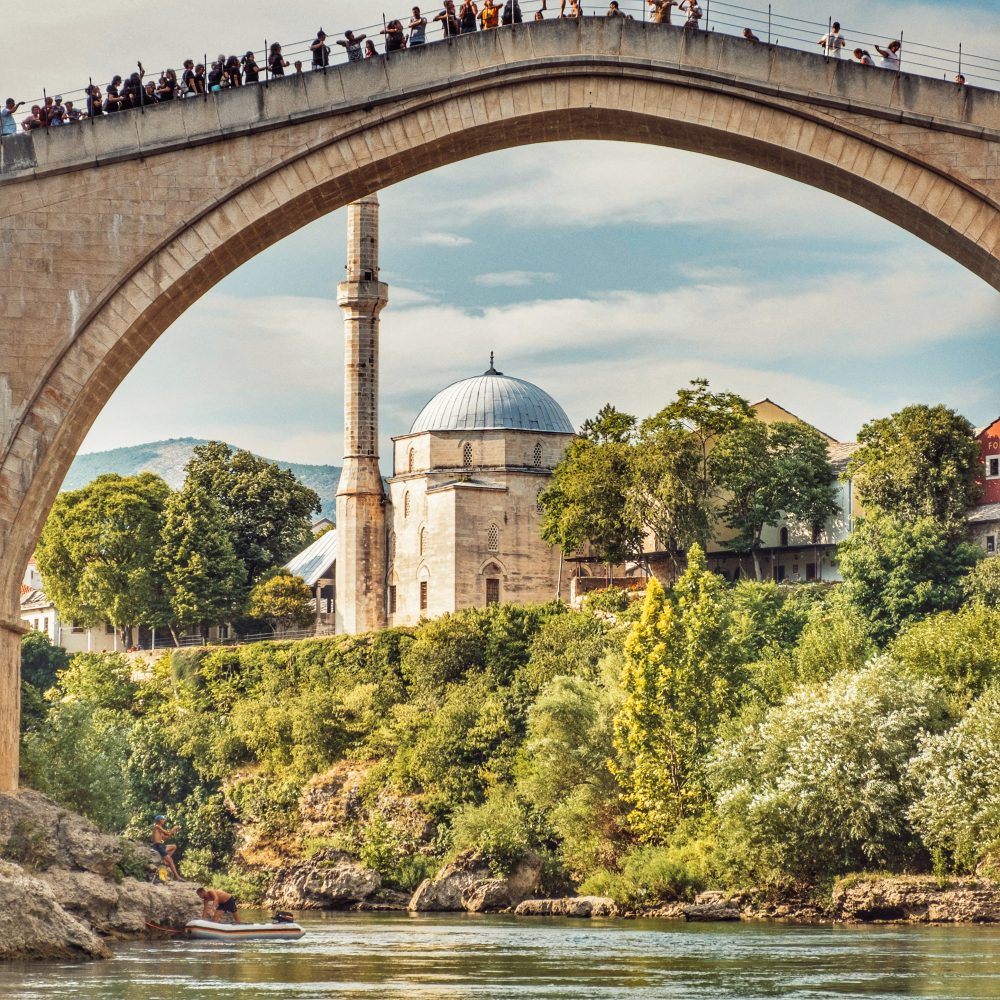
(216, 901)
(161, 834)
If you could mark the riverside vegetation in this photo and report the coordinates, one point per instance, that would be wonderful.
(710, 736)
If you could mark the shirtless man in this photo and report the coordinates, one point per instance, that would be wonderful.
(216, 901)
(161, 834)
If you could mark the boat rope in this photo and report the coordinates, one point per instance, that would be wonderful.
(165, 930)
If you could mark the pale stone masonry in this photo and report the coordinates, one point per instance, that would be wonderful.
(360, 578)
(109, 230)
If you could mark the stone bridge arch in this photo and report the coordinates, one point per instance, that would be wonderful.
(110, 230)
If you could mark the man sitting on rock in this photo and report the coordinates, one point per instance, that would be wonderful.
(216, 901)
(166, 851)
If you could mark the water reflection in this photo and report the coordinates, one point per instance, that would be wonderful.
(446, 957)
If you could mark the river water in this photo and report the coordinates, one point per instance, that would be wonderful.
(430, 957)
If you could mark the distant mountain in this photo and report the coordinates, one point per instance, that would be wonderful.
(168, 458)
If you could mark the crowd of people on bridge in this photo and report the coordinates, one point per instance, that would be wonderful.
(196, 79)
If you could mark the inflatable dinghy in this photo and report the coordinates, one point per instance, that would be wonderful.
(209, 930)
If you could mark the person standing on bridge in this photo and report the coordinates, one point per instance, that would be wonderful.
(320, 51)
(864, 57)
(489, 15)
(418, 29)
(251, 71)
(833, 42)
(352, 43)
(693, 11)
(395, 40)
(467, 17)
(614, 10)
(276, 62)
(449, 20)
(661, 10)
(8, 126)
(890, 54)
(511, 12)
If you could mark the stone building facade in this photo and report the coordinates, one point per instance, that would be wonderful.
(463, 497)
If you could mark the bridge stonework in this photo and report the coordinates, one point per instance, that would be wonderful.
(110, 229)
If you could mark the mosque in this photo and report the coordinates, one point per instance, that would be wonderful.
(459, 524)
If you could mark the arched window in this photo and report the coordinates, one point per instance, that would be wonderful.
(539, 506)
(467, 455)
(406, 504)
(392, 546)
(537, 457)
(493, 538)
(423, 539)
(784, 536)
(410, 460)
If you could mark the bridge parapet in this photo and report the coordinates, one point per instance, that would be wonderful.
(553, 50)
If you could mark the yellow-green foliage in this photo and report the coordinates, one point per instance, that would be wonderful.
(679, 681)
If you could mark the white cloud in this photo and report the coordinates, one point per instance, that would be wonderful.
(440, 240)
(514, 279)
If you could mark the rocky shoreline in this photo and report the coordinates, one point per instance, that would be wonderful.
(66, 888)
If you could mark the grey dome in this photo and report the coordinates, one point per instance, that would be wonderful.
(490, 401)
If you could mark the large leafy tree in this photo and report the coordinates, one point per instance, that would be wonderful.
(898, 570)
(97, 552)
(267, 510)
(679, 680)
(587, 499)
(705, 416)
(666, 494)
(920, 462)
(771, 472)
(204, 578)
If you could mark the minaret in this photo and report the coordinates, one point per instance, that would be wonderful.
(361, 540)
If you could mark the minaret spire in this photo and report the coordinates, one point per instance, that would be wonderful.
(360, 574)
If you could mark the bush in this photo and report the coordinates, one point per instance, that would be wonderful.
(651, 875)
(957, 810)
(982, 584)
(960, 649)
(819, 785)
(498, 830)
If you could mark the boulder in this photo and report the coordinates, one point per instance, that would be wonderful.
(330, 880)
(122, 908)
(707, 906)
(493, 894)
(568, 906)
(33, 924)
(917, 899)
(444, 891)
(488, 896)
(36, 832)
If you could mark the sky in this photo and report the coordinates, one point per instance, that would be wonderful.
(603, 272)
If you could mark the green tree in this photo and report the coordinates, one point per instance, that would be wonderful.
(818, 785)
(586, 501)
(923, 461)
(666, 494)
(957, 772)
(982, 584)
(41, 660)
(282, 601)
(97, 552)
(204, 579)
(705, 416)
(771, 472)
(679, 681)
(267, 509)
(900, 570)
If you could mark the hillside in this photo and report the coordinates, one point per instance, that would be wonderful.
(168, 458)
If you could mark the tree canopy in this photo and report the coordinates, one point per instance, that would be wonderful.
(771, 472)
(268, 511)
(97, 552)
(923, 461)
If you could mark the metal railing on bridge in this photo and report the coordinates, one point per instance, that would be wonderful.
(771, 24)
(164, 642)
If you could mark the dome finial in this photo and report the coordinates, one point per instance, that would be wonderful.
(491, 370)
